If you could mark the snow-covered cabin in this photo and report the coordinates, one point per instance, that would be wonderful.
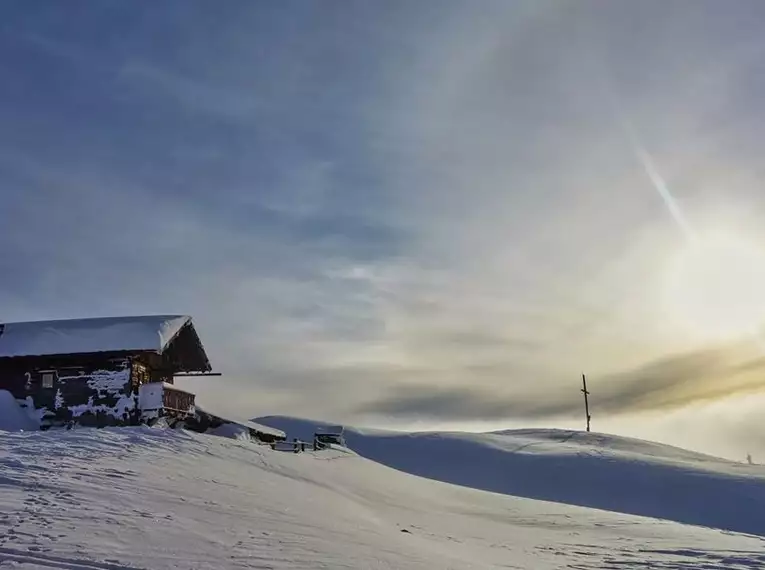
(101, 371)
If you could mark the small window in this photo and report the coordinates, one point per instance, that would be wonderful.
(48, 378)
(141, 374)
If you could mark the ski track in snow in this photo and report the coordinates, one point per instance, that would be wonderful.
(151, 498)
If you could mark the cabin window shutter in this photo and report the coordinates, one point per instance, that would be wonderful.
(48, 378)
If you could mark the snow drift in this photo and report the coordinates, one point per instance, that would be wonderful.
(12, 416)
(594, 470)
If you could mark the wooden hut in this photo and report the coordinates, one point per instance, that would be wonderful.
(101, 371)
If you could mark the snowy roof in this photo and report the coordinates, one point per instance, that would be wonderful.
(242, 422)
(81, 336)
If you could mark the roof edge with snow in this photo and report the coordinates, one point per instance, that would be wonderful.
(154, 333)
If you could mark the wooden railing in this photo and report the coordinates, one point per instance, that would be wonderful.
(296, 445)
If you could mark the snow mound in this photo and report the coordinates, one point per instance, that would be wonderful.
(232, 431)
(588, 469)
(12, 416)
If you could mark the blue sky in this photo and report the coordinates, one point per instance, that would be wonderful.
(403, 213)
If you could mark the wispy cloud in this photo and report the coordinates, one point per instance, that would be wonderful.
(672, 382)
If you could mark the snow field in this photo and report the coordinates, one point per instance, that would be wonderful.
(130, 498)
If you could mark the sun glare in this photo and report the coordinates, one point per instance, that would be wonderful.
(716, 287)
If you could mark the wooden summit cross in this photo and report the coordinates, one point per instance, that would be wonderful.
(586, 401)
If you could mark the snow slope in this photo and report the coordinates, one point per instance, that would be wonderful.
(130, 498)
(594, 470)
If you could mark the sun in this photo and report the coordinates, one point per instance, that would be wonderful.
(716, 287)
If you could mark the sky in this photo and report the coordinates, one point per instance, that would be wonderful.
(432, 214)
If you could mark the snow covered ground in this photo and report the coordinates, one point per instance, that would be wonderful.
(588, 469)
(153, 498)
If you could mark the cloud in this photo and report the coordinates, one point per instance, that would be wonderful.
(672, 382)
(461, 404)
